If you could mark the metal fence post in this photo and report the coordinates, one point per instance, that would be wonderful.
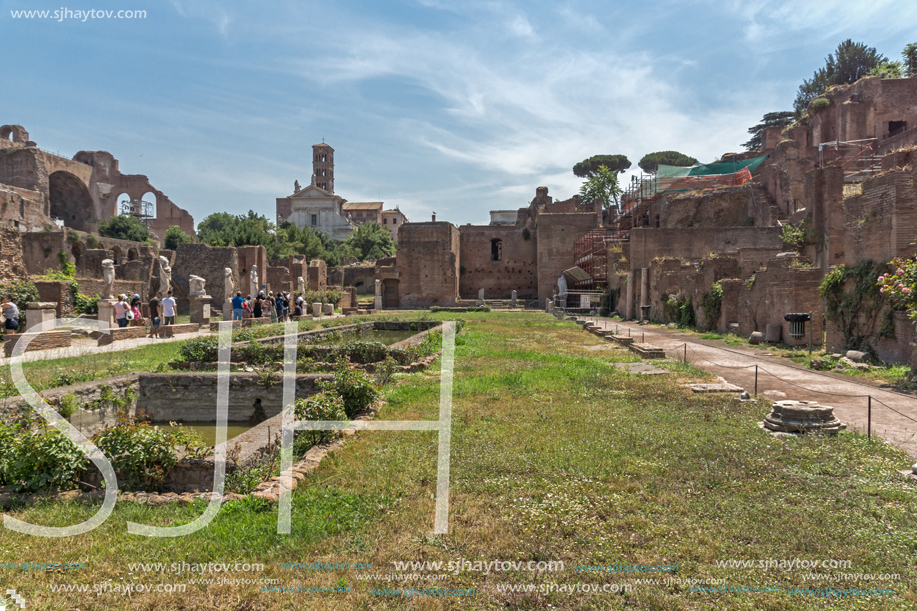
(869, 417)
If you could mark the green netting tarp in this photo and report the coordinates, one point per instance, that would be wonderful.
(707, 169)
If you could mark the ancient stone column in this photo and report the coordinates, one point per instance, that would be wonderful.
(480, 297)
(316, 309)
(629, 296)
(644, 289)
(378, 301)
(512, 302)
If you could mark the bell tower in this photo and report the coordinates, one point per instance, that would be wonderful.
(323, 167)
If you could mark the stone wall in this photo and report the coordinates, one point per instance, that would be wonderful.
(516, 269)
(428, 264)
(556, 235)
(24, 209)
(896, 348)
(317, 279)
(248, 256)
(361, 277)
(57, 292)
(647, 244)
(722, 207)
(881, 222)
(776, 291)
(278, 278)
(192, 397)
(12, 266)
(87, 421)
(209, 263)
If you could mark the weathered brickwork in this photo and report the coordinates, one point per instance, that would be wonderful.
(498, 260)
(428, 264)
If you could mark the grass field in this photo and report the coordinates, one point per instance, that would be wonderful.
(557, 456)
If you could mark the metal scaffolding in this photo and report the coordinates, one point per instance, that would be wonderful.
(142, 210)
(858, 158)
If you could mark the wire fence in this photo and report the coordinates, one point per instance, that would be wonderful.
(682, 352)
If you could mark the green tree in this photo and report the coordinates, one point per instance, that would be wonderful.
(771, 119)
(651, 161)
(371, 241)
(603, 186)
(888, 69)
(175, 236)
(910, 59)
(848, 64)
(125, 227)
(587, 168)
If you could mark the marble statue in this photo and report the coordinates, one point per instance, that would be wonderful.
(228, 286)
(196, 286)
(378, 288)
(108, 278)
(301, 285)
(253, 280)
(165, 276)
(295, 186)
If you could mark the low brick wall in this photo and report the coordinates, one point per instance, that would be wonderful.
(173, 330)
(38, 341)
(118, 334)
(191, 397)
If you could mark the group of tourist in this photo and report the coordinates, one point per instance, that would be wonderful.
(277, 307)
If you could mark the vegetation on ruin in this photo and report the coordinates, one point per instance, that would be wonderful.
(899, 285)
(175, 236)
(797, 236)
(124, 227)
(781, 118)
(650, 162)
(850, 62)
(603, 187)
(589, 168)
(658, 476)
(853, 302)
(22, 292)
(711, 304)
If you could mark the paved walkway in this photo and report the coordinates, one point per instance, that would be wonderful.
(777, 380)
(90, 346)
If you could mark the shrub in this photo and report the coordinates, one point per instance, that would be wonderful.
(41, 460)
(385, 371)
(68, 405)
(201, 349)
(818, 105)
(143, 455)
(92, 242)
(326, 405)
(362, 352)
(22, 291)
(354, 386)
(712, 304)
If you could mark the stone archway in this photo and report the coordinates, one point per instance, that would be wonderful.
(70, 201)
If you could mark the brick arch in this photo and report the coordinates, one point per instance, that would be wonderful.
(16, 133)
(70, 200)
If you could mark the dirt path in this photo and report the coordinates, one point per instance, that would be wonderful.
(779, 381)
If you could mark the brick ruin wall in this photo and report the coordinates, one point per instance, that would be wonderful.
(739, 206)
(556, 235)
(428, 264)
(515, 271)
(647, 244)
(881, 222)
(12, 266)
(209, 263)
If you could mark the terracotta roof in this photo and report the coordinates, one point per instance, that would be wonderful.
(322, 144)
(363, 206)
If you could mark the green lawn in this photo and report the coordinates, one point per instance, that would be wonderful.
(556, 456)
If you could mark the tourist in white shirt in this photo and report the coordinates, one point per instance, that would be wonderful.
(168, 309)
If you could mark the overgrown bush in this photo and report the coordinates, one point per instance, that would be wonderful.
(362, 352)
(143, 455)
(201, 349)
(853, 301)
(672, 306)
(23, 291)
(38, 460)
(712, 304)
(355, 387)
(818, 105)
(326, 405)
(385, 371)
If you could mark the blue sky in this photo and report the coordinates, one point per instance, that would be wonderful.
(459, 107)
